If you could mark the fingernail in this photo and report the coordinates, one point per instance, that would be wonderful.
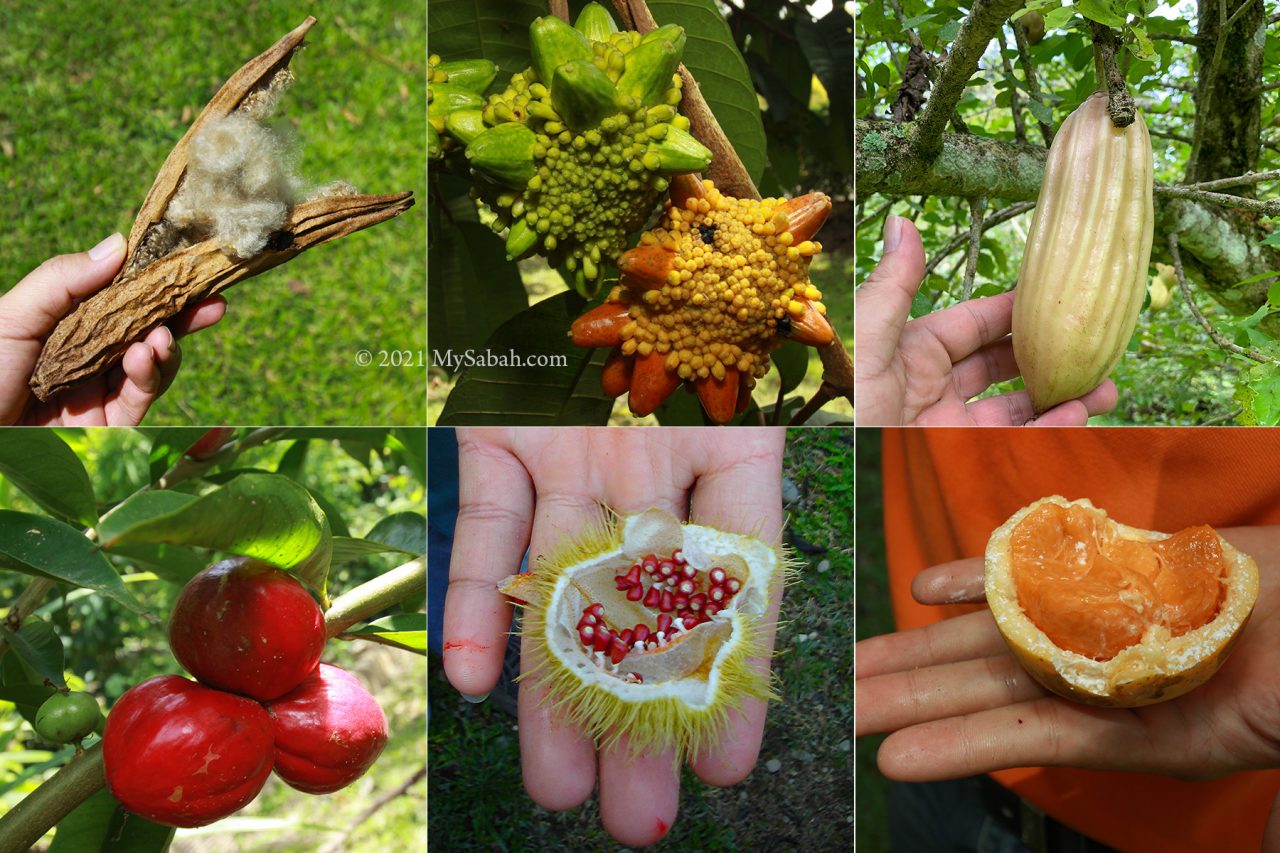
(172, 345)
(475, 699)
(892, 232)
(108, 247)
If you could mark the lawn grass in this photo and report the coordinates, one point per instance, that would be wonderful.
(798, 797)
(89, 112)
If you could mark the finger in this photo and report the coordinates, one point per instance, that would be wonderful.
(882, 303)
(639, 795)
(36, 304)
(897, 700)
(732, 759)
(495, 504)
(957, 582)
(202, 315)
(140, 384)
(557, 759)
(965, 328)
(973, 635)
(1012, 409)
(1076, 412)
(1042, 732)
(992, 363)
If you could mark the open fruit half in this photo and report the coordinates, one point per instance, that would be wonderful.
(645, 626)
(1112, 615)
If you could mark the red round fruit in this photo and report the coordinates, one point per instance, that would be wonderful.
(329, 731)
(248, 627)
(181, 754)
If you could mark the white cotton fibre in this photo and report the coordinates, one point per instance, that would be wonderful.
(238, 187)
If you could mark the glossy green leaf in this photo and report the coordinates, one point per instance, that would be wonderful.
(43, 546)
(41, 464)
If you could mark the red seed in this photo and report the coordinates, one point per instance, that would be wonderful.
(710, 610)
(617, 650)
(626, 637)
(597, 609)
(733, 585)
(697, 602)
(652, 597)
(637, 677)
(649, 565)
(634, 574)
(690, 622)
(678, 556)
(687, 587)
(717, 576)
(681, 602)
(585, 634)
(717, 594)
(690, 572)
(666, 569)
(668, 602)
(600, 642)
(664, 623)
(635, 593)
(641, 633)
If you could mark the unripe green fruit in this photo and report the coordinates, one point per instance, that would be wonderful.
(465, 125)
(505, 154)
(649, 68)
(595, 23)
(68, 717)
(472, 74)
(583, 95)
(553, 43)
(1033, 23)
(446, 98)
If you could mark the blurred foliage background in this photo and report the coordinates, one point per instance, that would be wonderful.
(797, 67)
(108, 649)
(800, 795)
(88, 114)
(1172, 372)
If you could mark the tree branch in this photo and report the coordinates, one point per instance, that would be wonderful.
(370, 597)
(33, 816)
(1015, 100)
(1218, 337)
(977, 206)
(975, 34)
(960, 240)
(1110, 78)
(1029, 72)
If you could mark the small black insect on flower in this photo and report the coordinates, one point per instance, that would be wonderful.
(708, 234)
(784, 325)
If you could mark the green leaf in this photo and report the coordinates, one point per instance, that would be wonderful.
(506, 395)
(1058, 18)
(167, 444)
(1273, 294)
(264, 516)
(294, 461)
(830, 47)
(467, 271)
(792, 361)
(466, 29)
(349, 550)
(101, 824)
(171, 563)
(948, 32)
(402, 630)
(1102, 11)
(406, 531)
(141, 507)
(713, 59)
(37, 645)
(40, 463)
(49, 548)
(1040, 111)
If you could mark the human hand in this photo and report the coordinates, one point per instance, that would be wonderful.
(958, 703)
(924, 371)
(123, 394)
(533, 486)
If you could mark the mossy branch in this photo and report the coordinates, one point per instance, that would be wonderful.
(1110, 79)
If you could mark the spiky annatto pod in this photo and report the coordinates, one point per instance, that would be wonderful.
(709, 294)
(646, 627)
(580, 147)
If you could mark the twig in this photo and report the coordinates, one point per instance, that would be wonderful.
(1218, 337)
(1237, 181)
(1002, 215)
(405, 67)
(874, 215)
(370, 597)
(1185, 39)
(1029, 72)
(826, 393)
(1267, 208)
(400, 790)
(1015, 100)
(1119, 101)
(559, 8)
(76, 781)
(977, 206)
(1164, 134)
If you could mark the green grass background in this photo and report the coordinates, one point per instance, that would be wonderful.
(799, 797)
(93, 96)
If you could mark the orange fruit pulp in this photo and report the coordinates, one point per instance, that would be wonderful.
(1094, 592)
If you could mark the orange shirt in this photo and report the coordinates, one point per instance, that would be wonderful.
(945, 490)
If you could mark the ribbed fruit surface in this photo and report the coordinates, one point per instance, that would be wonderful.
(1084, 271)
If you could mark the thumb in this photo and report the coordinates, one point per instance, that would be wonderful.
(36, 304)
(882, 303)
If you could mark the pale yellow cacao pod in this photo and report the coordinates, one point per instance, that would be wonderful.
(1084, 271)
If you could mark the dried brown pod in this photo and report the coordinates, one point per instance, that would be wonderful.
(165, 272)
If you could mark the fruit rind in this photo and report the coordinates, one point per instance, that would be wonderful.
(687, 714)
(1159, 668)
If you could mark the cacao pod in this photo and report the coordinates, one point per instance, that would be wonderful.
(1084, 271)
